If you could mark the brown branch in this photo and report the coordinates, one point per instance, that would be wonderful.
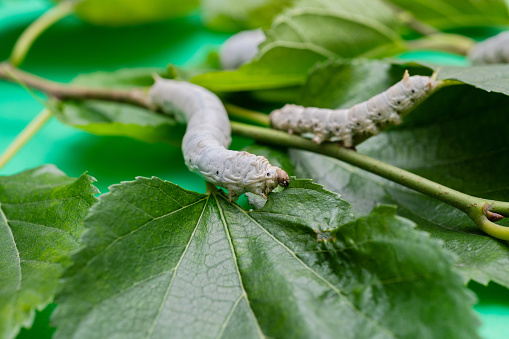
(62, 91)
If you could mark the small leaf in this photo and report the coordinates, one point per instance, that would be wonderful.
(447, 14)
(233, 15)
(41, 220)
(458, 138)
(163, 262)
(309, 32)
(122, 78)
(112, 118)
(491, 78)
(132, 12)
(344, 83)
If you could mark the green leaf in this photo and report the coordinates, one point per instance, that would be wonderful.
(491, 78)
(385, 257)
(343, 83)
(112, 118)
(132, 12)
(122, 78)
(41, 220)
(163, 262)
(309, 32)
(233, 15)
(447, 14)
(458, 138)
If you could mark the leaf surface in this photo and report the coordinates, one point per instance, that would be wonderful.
(112, 118)
(338, 83)
(458, 138)
(163, 262)
(447, 14)
(132, 12)
(233, 15)
(41, 220)
(309, 32)
(491, 78)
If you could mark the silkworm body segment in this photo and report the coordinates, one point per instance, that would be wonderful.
(240, 48)
(494, 50)
(364, 118)
(207, 138)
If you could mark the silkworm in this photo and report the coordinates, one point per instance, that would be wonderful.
(207, 138)
(494, 50)
(364, 118)
(240, 48)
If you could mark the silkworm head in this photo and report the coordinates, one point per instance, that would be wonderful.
(282, 178)
(417, 87)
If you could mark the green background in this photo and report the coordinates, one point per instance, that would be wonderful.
(72, 47)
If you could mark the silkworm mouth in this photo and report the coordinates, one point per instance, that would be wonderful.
(282, 178)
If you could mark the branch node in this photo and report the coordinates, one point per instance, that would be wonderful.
(492, 216)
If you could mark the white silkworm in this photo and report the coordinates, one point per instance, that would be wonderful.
(208, 137)
(364, 118)
(494, 50)
(240, 48)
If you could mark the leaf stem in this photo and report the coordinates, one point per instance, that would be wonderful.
(63, 91)
(477, 209)
(446, 42)
(24, 136)
(36, 28)
(18, 55)
(247, 115)
(482, 211)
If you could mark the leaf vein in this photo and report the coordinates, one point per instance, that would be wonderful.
(235, 261)
(48, 227)
(328, 283)
(229, 316)
(4, 218)
(170, 284)
(139, 228)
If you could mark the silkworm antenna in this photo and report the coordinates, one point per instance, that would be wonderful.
(494, 50)
(240, 48)
(207, 138)
(366, 118)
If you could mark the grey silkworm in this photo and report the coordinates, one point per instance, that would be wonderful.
(207, 138)
(494, 50)
(240, 48)
(364, 118)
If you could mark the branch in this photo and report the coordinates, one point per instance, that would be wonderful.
(247, 115)
(481, 211)
(66, 92)
(18, 55)
(24, 136)
(36, 28)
